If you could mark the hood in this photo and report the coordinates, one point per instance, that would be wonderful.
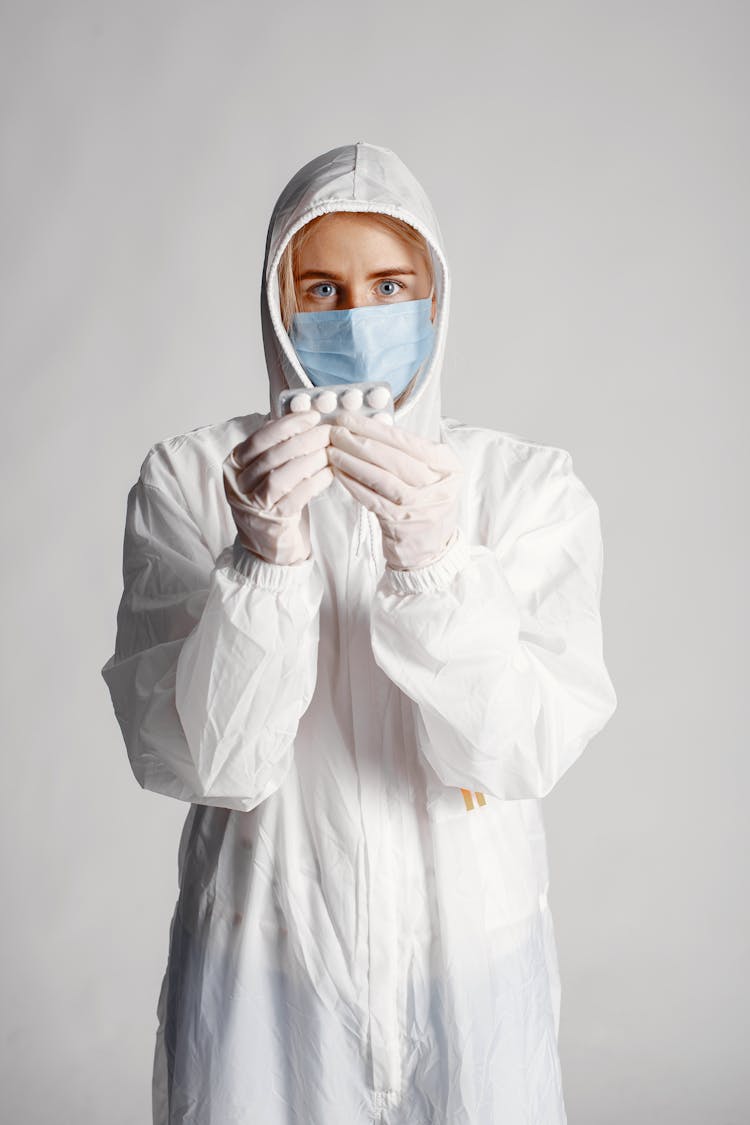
(356, 177)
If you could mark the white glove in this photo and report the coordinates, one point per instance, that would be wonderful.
(410, 483)
(269, 479)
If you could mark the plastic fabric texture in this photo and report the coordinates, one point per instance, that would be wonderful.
(362, 931)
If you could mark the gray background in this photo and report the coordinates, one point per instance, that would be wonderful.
(588, 163)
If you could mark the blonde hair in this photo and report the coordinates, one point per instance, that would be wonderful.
(289, 262)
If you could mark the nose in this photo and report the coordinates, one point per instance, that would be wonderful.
(355, 296)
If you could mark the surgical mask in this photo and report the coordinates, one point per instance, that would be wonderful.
(386, 342)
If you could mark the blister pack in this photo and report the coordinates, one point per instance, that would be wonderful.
(371, 399)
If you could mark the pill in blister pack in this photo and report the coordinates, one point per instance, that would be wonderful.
(373, 400)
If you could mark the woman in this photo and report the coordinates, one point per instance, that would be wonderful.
(363, 654)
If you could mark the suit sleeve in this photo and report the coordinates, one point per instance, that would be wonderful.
(215, 659)
(500, 647)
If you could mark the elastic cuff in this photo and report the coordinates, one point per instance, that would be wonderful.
(434, 576)
(271, 576)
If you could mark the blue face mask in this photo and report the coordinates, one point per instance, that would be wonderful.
(387, 342)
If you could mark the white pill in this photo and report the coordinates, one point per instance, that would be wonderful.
(325, 402)
(377, 397)
(299, 402)
(383, 416)
(351, 399)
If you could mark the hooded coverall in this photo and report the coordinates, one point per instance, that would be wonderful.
(362, 931)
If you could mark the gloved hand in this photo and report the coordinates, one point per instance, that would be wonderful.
(269, 479)
(410, 483)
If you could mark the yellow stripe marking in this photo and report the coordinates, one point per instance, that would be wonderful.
(467, 799)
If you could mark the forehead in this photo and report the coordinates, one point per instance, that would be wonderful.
(352, 236)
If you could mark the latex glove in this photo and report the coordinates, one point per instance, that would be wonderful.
(268, 481)
(411, 484)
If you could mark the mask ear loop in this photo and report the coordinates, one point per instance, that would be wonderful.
(418, 372)
(432, 294)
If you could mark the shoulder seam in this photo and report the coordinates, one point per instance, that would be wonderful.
(516, 438)
(166, 442)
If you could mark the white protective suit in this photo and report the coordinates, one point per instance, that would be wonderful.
(362, 931)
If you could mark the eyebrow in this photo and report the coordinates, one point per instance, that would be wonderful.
(396, 271)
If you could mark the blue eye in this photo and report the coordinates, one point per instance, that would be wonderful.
(324, 285)
(397, 285)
